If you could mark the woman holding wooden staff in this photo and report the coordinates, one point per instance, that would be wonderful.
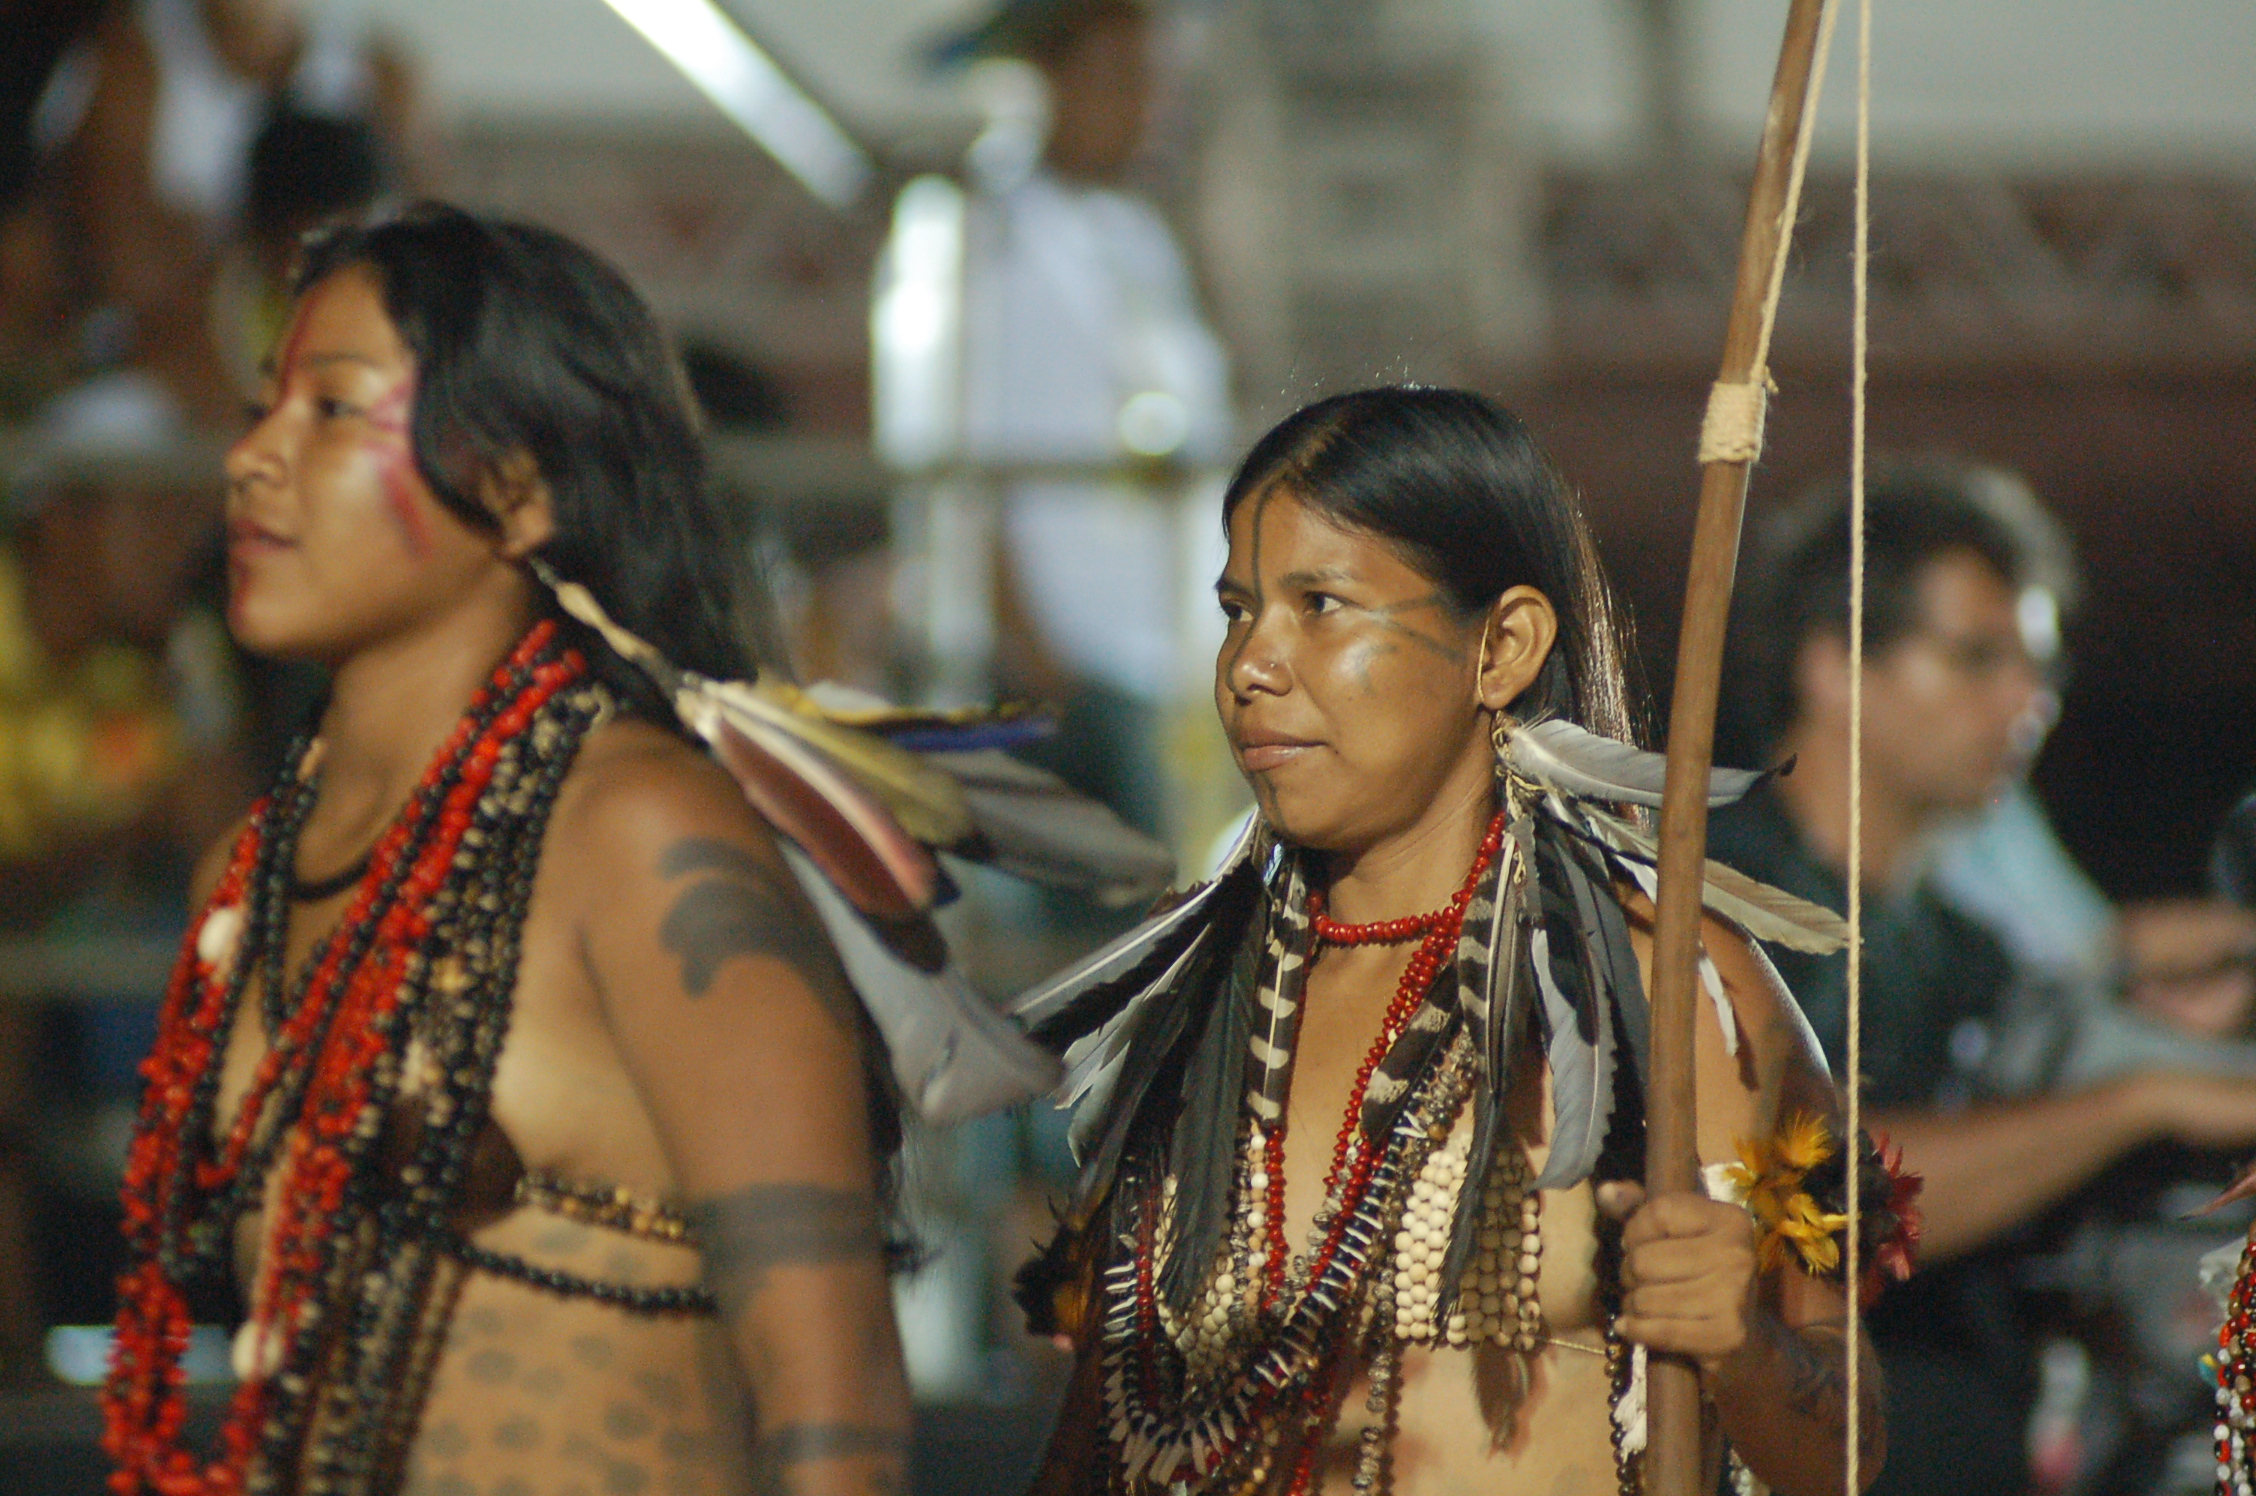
(1360, 1118)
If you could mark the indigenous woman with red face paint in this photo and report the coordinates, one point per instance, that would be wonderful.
(1360, 1118)
(507, 1067)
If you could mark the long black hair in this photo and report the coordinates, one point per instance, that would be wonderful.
(1457, 486)
(527, 343)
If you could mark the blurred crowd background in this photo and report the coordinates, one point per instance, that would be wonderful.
(981, 300)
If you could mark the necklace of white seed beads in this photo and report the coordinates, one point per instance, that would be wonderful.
(1497, 1296)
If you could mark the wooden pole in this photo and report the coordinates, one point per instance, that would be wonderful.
(1673, 1452)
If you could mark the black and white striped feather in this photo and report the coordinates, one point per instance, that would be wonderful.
(1278, 992)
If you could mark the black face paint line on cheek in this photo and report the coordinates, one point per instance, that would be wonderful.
(1426, 642)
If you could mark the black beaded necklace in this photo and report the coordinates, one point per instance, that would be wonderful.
(314, 890)
(392, 1323)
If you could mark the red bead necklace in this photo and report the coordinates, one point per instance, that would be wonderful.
(1313, 1407)
(332, 1043)
(1439, 930)
(2236, 1379)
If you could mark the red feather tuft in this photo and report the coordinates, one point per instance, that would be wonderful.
(885, 872)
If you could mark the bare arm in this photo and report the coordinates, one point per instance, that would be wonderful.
(1772, 1347)
(738, 1029)
(1990, 1168)
(1783, 1395)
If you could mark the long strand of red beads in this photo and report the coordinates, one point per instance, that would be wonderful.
(143, 1404)
(1439, 932)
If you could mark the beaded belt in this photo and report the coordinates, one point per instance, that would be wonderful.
(611, 1207)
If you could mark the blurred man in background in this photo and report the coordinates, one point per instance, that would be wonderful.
(1077, 345)
(1956, 698)
(1083, 345)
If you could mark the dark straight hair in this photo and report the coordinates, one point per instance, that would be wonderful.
(1458, 487)
(526, 342)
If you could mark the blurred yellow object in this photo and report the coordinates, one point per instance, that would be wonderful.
(85, 747)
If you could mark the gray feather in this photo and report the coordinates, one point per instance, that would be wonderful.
(1040, 1008)
(954, 1055)
(1773, 914)
(1581, 1046)
(1030, 824)
(1630, 1007)
(1562, 756)
(1764, 912)
(1095, 1051)
(1102, 1126)
(1203, 1156)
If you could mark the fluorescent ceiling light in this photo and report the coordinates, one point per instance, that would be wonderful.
(729, 68)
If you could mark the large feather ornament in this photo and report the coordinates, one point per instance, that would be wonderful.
(1088, 992)
(1559, 755)
(928, 804)
(1029, 823)
(859, 818)
(1101, 1128)
(1620, 956)
(1203, 1153)
(884, 871)
(1764, 912)
(954, 1055)
(1095, 1056)
(1580, 1019)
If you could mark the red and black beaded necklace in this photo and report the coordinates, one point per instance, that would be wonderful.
(1283, 1392)
(427, 948)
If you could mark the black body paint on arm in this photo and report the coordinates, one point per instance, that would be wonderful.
(1814, 1360)
(740, 906)
(744, 1235)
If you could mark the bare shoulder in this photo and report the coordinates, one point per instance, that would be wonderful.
(1788, 1060)
(636, 794)
(1779, 1057)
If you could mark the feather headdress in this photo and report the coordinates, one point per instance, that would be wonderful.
(866, 796)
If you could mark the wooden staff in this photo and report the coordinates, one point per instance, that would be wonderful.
(1729, 444)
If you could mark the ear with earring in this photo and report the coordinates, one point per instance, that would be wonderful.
(1501, 723)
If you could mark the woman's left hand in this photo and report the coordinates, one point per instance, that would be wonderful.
(1688, 1271)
